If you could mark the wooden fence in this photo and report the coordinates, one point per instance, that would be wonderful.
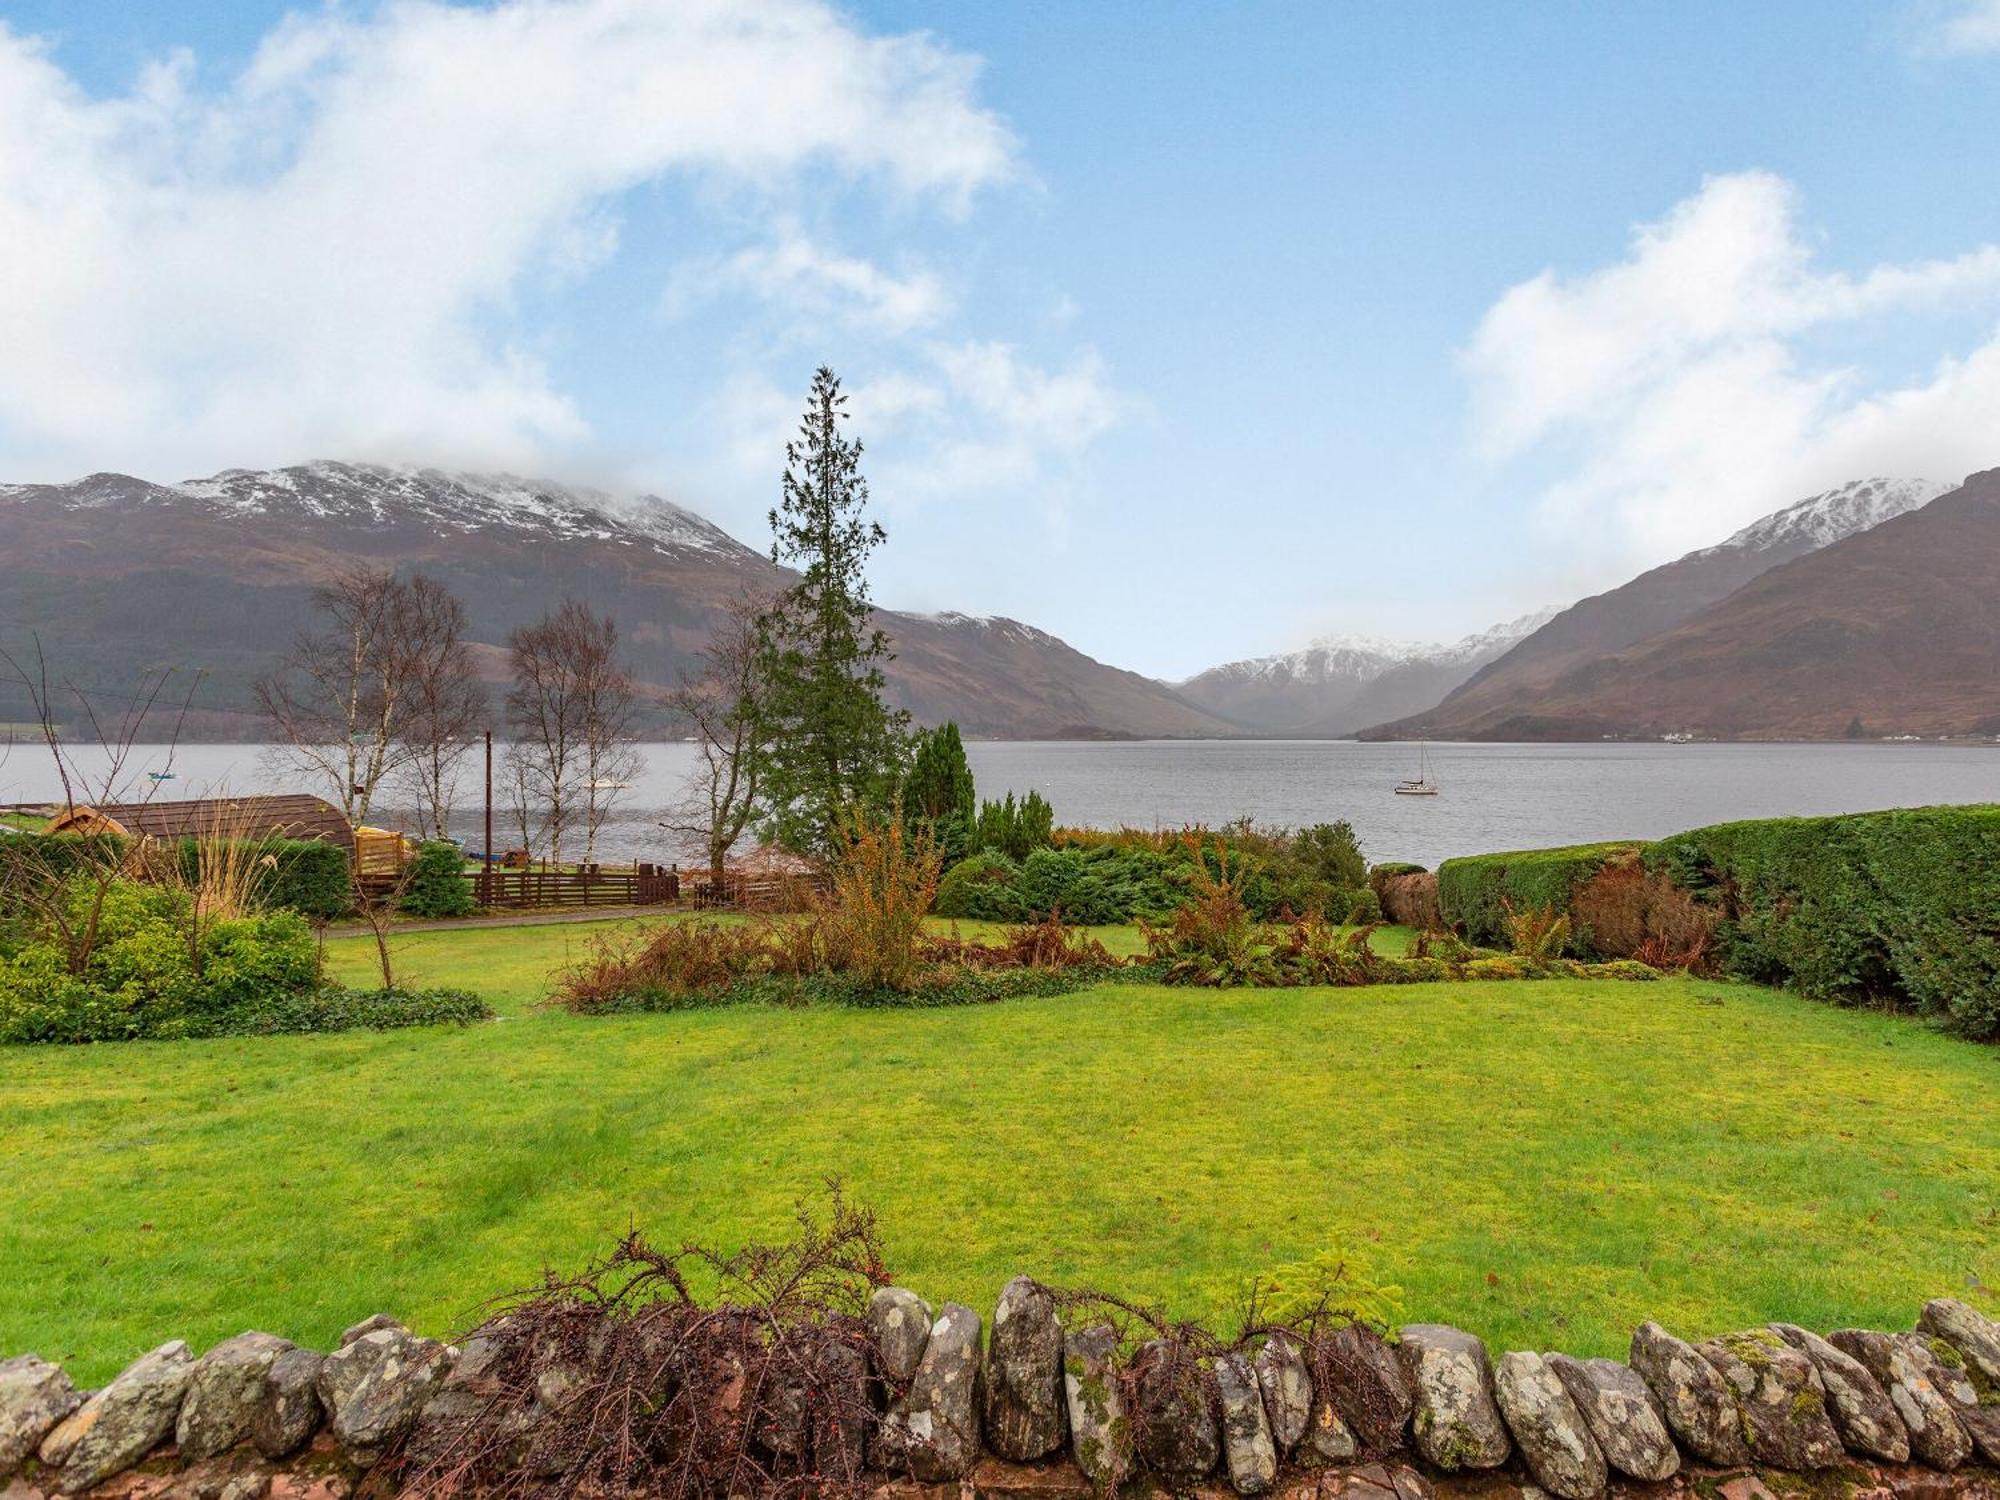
(584, 885)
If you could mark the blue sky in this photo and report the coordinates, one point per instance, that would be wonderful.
(1186, 332)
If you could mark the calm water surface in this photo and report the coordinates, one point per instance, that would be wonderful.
(1495, 796)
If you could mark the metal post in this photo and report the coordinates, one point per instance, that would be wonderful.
(486, 873)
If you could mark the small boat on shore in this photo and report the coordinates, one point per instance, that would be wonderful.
(1423, 786)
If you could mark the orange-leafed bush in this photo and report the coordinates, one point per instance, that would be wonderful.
(1627, 911)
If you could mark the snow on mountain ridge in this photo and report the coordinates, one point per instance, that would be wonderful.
(1363, 657)
(382, 493)
(1823, 519)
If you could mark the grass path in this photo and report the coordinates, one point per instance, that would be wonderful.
(1546, 1163)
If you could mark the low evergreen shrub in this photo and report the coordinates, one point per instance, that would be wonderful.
(437, 885)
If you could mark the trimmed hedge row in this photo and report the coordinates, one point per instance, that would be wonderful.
(308, 876)
(1476, 893)
(1894, 908)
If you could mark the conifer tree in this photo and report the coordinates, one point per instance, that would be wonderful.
(938, 793)
(831, 746)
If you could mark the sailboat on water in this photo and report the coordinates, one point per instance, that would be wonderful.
(1423, 786)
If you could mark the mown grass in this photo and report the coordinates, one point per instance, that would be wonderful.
(1546, 1163)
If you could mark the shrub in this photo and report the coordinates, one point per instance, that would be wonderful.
(871, 922)
(980, 888)
(1364, 908)
(1539, 934)
(437, 884)
(1891, 908)
(1211, 939)
(310, 877)
(937, 792)
(1408, 898)
(1476, 895)
(1332, 852)
(156, 972)
(1015, 829)
(1628, 911)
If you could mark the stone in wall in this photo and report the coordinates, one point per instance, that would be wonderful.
(1248, 1452)
(1368, 1387)
(1550, 1431)
(224, 1391)
(1970, 1332)
(1781, 1398)
(1862, 1412)
(34, 1396)
(936, 1425)
(899, 1321)
(1697, 1402)
(1287, 1385)
(1023, 1394)
(1619, 1411)
(1100, 1432)
(1910, 1374)
(1176, 1419)
(375, 1384)
(122, 1423)
(1457, 1423)
(290, 1411)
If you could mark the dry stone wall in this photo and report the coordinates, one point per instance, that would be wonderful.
(1025, 1408)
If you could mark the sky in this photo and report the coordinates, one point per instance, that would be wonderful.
(1187, 332)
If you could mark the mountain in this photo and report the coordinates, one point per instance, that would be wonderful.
(1335, 685)
(1894, 629)
(1493, 703)
(116, 573)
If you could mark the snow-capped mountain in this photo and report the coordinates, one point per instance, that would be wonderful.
(1825, 519)
(1501, 700)
(1329, 686)
(377, 494)
(217, 573)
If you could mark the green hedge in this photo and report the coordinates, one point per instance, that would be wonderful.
(1476, 892)
(308, 876)
(1894, 908)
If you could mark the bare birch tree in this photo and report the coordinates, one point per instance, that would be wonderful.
(445, 703)
(338, 696)
(570, 716)
(719, 705)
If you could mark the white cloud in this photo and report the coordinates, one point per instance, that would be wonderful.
(952, 422)
(323, 257)
(1682, 390)
(1962, 29)
(808, 280)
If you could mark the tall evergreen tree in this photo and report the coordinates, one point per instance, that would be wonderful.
(830, 744)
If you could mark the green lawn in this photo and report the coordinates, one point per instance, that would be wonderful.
(1546, 1163)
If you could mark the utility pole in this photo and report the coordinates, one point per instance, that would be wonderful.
(486, 873)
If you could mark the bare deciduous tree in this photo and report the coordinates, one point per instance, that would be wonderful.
(338, 696)
(445, 703)
(570, 712)
(719, 704)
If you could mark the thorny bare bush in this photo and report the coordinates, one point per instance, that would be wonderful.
(1329, 1307)
(1627, 911)
(688, 1374)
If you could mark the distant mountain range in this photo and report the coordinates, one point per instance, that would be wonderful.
(1339, 684)
(1873, 604)
(1872, 609)
(117, 573)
